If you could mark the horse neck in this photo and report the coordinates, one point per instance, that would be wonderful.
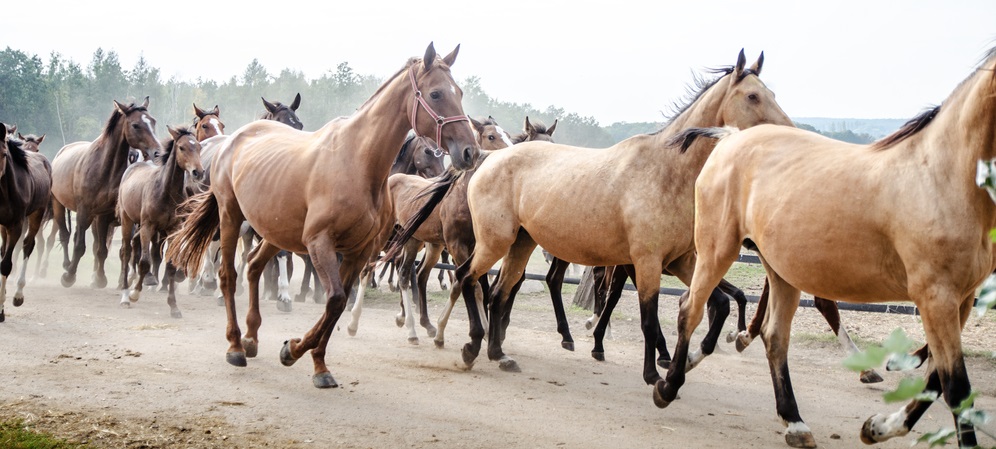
(112, 152)
(704, 113)
(170, 179)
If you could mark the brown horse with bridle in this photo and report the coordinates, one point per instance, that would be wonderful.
(86, 177)
(25, 194)
(898, 220)
(323, 192)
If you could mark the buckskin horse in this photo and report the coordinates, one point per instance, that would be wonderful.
(837, 220)
(324, 193)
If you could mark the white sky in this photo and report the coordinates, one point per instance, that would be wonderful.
(613, 60)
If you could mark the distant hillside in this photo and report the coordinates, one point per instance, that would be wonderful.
(875, 127)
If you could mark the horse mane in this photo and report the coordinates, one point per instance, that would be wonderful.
(909, 129)
(700, 85)
(17, 153)
(163, 157)
(404, 148)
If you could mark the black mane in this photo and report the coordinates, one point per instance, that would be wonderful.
(699, 86)
(17, 153)
(909, 129)
(404, 148)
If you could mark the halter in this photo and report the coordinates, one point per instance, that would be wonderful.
(440, 120)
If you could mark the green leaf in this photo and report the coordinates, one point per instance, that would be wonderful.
(974, 417)
(992, 234)
(987, 296)
(939, 438)
(966, 404)
(898, 342)
(867, 359)
(908, 388)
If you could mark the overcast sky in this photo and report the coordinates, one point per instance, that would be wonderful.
(613, 60)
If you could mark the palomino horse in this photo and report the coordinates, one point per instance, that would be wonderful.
(25, 194)
(921, 237)
(149, 196)
(322, 192)
(639, 198)
(86, 177)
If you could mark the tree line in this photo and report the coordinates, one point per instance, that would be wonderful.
(69, 102)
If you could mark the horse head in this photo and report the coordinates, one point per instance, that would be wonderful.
(537, 131)
(207, 124)
(187, 151)
(746, 100)
(138, 127)
(439, 99)
(282, 113)
(426, 158)
(490, 136)
(31, 142)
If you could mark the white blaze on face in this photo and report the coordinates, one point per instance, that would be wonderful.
(148, 123)
(217, 125)
(504, 136)
(453, 88)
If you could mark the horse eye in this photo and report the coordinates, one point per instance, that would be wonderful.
(435, 95)
(135, 125)
(491, 137)
(204, 127)
(752, 97)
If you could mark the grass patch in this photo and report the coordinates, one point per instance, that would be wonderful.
(15, 434)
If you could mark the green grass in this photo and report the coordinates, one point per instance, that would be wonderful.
(15, 434)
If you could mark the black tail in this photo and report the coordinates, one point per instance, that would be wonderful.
(435, 193)
(686, 138)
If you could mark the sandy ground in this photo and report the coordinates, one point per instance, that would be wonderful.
(75, 363)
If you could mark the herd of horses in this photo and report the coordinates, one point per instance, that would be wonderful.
(902, 219)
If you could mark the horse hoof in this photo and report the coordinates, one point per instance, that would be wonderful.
(730, 337)
(568, 345)
(351, 331)
(509, 366)
(179, 276)
(742, 342)
(125, 304)
(284, 306)
(150, 280)
(220, 300)
(393, 288)
(444, 287)
(175, 313)
(399, 320)
(867, 377)
(439, 343)
(134, 295)
(588, 325)
(2, 316)
(664, 363)
(413, 341)
(597, 355)
(236, 358)
(324, 380)
(468, 356)
(68, 280)
(286, 358)
(301, 297)
(659, 400)
(251, 347)
(98, 284)
(213, 285)
(18, 301)
(430, 331)
(800, 439)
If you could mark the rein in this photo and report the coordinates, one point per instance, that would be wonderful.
(440, 120)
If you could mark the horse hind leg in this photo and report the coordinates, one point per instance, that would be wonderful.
(170, 272)
(258, 259)
(432, 254)
(29, 243)
(555, 280)
(283, 261)
(828, 308)
(513, 269)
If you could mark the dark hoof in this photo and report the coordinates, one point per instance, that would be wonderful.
(2, 317)
(236, 358)
(509, 366)
(150, 280)
(399, 320)
(285, 306)
(68, 280)
(220, 300)
(468, 356)
(568, 345)
(324, 380)
(251, 347)
(659, 400)
(867, 377)
(800, 439)
(730, 337)
(210, 286)
(597, 355)
(285, 355)
(664, 363)
(175, 313)
(18, 301)
(431, 331)
(301, 297)
(439, 343)
(413, 341)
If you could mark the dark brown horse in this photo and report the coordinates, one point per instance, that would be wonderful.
(149, 195)
(322, 192)
(86, 177)
(32, 143)
(25, 194)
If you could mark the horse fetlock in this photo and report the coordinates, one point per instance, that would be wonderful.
(694, 358)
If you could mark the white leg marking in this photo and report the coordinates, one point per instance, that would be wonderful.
(409, 304)
(354, 321)
(21, 281)
(884, 427)
(444, 317)
(694, 358)
(283, 283)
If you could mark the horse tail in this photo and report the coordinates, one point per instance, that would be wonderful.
(188, 244)
(435, 193)
(686, 138)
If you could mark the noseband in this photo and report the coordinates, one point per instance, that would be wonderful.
(440, 120)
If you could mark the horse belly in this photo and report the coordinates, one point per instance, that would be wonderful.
(63, 173)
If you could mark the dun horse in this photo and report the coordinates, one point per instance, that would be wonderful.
(86, 177)
(323, 192)
(149, 196)
(25, 194)
(640, 208)
(921, 237)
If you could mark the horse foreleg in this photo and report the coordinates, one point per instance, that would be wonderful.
(127, 228)
(83, 222)
(174, 311)
(555, 280)
(828, 308)
(101, 247)
(617, 280)
(34, 224)
(432, 253)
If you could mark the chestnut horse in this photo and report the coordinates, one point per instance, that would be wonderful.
(322, 192)
(639, 198)
(86, 177)
(834, 219)
(207, 124)
(149, 196)
(25, 194)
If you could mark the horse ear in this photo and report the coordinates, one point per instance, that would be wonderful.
(269, 106)
(175, 133)
(451, 58)
(145, 104)
(477, 125)
(19, 136)
(756, 68)
(11, 129)
(297, 102)
(552, 128)
(198, 111)
(529, 127)
(430, 57)
(40, 139)
(120, 107)
(741, 63)
(216, 111)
